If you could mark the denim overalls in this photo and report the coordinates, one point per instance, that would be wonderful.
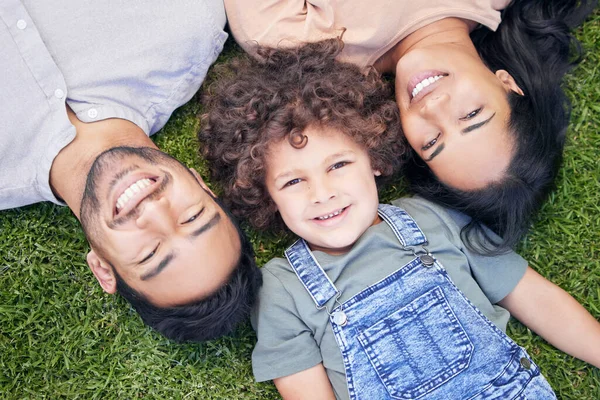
(414, 335)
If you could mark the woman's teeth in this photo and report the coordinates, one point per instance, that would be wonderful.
(136, 187)
(333, 214)
(424, 83)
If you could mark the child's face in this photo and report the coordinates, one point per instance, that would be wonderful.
(325, 192)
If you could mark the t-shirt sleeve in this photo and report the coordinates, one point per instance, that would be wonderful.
(497, 275)
(285, 344)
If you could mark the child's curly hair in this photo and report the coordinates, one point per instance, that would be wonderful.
(255, 103)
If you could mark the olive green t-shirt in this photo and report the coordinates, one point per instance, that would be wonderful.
(293, 335)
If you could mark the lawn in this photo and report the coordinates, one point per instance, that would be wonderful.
(62, 337)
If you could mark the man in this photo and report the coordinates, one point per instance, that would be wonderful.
(84, 85)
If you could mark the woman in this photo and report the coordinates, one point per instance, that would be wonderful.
(482, 107)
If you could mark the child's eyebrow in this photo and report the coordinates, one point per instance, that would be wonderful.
(340, 154)
(294, 172)
(286, 174)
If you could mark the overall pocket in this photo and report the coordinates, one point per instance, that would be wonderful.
(419, 347)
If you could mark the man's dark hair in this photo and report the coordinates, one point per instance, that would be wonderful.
(535, 45)
(208, 318)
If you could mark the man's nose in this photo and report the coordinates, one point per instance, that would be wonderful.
(156, 215)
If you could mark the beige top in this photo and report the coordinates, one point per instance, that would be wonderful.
(372, 27)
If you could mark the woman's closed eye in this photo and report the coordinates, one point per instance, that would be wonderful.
(472, 114)
(430, 144)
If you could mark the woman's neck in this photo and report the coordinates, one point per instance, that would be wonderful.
(445, 31)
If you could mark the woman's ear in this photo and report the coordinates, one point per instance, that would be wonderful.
(508, 81)
(103, 272)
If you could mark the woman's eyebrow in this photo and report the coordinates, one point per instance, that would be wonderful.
(437, 151)
(468, 129)
(478, 125)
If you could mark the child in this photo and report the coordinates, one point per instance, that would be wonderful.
(373, 301)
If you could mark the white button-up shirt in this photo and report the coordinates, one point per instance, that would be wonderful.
(137, 61)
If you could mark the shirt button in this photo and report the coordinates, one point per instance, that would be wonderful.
(59, 94)
(525, 363)
(21, 24)
(92, 113)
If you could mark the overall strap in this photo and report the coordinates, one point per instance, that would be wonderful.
(310, 273)
(405, 228)
(314, 278)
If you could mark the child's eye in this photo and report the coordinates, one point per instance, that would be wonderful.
(338, 165)
(292, 182)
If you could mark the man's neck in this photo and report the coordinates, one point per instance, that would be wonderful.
(70, 167)
(446, 31)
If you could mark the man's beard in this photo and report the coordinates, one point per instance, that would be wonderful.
(90, 202)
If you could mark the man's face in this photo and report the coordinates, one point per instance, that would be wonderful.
(153, 221)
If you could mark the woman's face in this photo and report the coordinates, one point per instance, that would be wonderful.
(454, 113)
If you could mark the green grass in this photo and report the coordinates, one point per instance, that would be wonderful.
(62, 337)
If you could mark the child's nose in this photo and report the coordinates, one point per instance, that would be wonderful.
(321, 192)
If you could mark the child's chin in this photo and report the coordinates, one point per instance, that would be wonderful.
(338, 246)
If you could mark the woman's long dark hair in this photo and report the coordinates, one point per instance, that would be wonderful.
(535, 45)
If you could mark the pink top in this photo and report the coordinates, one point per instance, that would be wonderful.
(372, 27)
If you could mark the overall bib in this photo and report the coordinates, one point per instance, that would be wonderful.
(414, 335)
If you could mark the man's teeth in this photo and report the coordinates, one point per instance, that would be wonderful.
(136, 187)
(333, 214)
(424, 83)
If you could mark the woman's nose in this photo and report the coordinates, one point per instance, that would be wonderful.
(435, 105)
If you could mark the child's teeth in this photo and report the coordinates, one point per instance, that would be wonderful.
(330, 215)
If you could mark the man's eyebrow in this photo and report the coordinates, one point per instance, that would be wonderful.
(164, 263)
(161, 265)
(212, 222)
(478, 125)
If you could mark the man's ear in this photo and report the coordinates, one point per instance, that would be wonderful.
(201, 181)
(103, 272)
(508, 81)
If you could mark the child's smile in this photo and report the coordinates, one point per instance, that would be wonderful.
(325, 191)
(333, 217)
